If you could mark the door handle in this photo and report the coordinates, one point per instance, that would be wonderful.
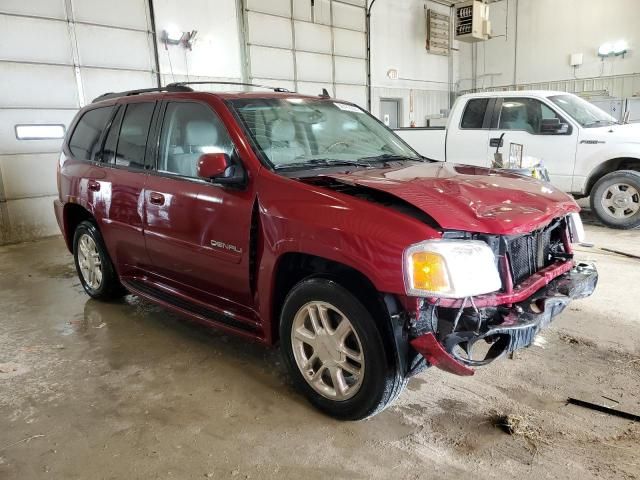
(156, 198)
(93, 186)
(496, 142)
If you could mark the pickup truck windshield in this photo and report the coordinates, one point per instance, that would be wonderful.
(583, 112)
(301, 133)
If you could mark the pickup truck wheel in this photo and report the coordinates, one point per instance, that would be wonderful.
(93, 264)
(615, 199)
(334, 351)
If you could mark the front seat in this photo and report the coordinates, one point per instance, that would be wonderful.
(200, 137)
(284, 146)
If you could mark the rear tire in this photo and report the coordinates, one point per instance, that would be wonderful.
(93, 264)
(340, 364)
(615, 199)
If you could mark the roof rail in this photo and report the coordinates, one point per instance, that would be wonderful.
(182, 84)
(168, 88)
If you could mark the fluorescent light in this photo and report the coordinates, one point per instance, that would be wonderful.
(39, 132)
(605, 49)
(620, 47)
(172, 34)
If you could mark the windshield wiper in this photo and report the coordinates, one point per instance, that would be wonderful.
(323, 162)
(600, 122)
(390, 156)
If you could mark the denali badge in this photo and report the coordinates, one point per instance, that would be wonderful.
(225, 246)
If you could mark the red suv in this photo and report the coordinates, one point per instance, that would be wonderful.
(304, 221)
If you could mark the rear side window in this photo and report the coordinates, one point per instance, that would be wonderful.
(134, 131)
(85, 140)
(473, 116)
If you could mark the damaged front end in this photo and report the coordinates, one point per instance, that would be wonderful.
(456, 334)
(455, 339)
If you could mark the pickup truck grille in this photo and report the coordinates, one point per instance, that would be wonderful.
(529, 253)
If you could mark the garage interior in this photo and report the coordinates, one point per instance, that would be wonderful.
(128, 389)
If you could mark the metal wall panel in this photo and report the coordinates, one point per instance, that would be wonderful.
(11, 117)
(41, 181)
(275, 7)
(314, 67)
(347, 16)
(97, 81)
(311, 37)
(350, 70)
(30, 218)
(322, 12)
(113, 48)
(23, 39)
(349, 43)
(302, 10)
(43, 8)
(313, 88)
(352, 93)
(271, 62)
(269, 30)
(111, 12)
(22, 86)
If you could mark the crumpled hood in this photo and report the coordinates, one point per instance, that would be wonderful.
(463, 197)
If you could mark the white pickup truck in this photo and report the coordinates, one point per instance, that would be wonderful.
(585, 150)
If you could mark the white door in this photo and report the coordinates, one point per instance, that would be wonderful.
(521, 122)
(468, 142)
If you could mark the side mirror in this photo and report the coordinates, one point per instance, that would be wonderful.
(553, 125)
(219, 168)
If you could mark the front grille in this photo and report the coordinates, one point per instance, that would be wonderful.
(532, 252)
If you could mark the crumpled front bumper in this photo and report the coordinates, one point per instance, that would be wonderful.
(520, 324)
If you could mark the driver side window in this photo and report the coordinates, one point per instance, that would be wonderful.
(525, 114)
(190, 130)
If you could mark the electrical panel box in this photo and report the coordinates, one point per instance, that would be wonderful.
(472, 21)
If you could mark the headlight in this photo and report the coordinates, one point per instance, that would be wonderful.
(450, 268)
(576, 229)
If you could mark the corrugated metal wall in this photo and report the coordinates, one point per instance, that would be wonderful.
(55, 56)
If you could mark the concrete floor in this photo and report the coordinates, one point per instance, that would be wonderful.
(127, 390)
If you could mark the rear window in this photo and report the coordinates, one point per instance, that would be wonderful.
(134, 130)
(474, 113)
(85, 141)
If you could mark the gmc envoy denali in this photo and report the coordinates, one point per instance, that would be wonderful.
(305, 222)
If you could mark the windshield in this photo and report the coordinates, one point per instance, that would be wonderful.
(300, 133)
(583, 112)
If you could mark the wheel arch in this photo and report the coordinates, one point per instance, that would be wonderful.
(73, 215)
(611, 165)
(293, 267)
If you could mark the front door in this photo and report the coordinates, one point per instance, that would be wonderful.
(520, 120)
(197, 233)
(390, 112)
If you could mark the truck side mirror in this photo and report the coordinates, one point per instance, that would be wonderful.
(553, 126)
(219, 168)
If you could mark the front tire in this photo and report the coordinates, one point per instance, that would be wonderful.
(335, 353)
(615, 199)
(93, 264)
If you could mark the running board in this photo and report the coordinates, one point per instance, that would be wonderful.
(173, 300)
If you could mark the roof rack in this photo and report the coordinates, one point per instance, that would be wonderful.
(183, 84)
(168, 88)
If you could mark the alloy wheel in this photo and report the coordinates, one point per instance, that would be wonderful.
(327, 351)
(621, 200)
(89, 262)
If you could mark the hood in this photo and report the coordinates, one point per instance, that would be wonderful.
(462, 197)
(626, 133)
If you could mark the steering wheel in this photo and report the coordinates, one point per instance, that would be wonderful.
(335, 144)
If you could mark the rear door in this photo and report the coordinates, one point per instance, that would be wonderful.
(197, 233)
(468, 141)
(520, 120)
